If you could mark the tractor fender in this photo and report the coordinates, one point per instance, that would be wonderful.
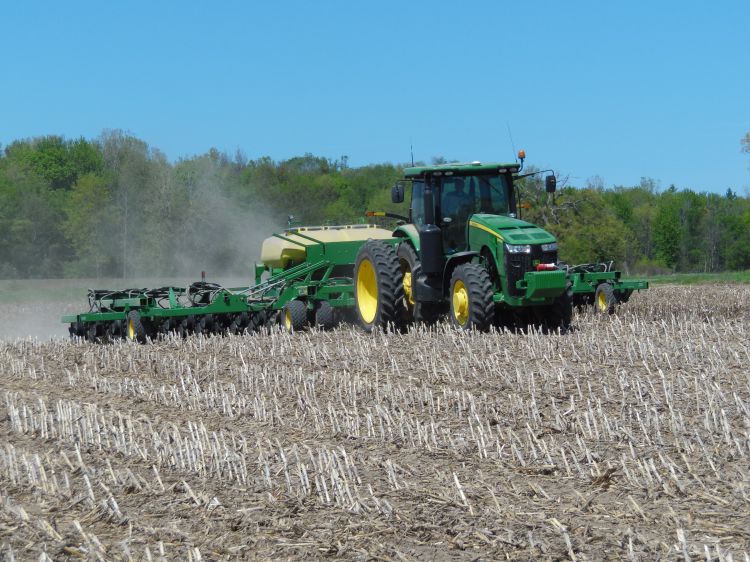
(454, 261)
(410, 233)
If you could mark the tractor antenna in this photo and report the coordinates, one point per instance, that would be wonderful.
(512, 144)
(411, 147)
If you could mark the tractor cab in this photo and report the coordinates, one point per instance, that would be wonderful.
(458, 191)
(454, 207)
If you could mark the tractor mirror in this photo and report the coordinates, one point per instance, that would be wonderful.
(550, 184)
(397, 193)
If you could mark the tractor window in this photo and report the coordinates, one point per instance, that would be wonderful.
(457, 204)
(492, 194)
(417, 202)
(456, 198)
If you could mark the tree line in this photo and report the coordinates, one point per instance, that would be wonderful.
(116, 207)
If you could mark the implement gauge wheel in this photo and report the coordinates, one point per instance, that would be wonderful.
(471, 298)
(378, 287)
(605, 299)
(324, 318)
(134, 328)
(294, 316)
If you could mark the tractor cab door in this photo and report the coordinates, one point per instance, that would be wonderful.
(417, 209)
(458, 196)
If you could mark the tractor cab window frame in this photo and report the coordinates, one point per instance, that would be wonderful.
(416, 209)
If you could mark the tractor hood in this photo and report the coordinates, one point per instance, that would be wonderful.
(512, 231)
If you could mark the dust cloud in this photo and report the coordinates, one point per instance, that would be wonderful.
(225, 238)
(34, 308)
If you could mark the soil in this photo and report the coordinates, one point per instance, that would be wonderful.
(626, 438)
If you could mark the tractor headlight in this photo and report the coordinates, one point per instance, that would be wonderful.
(518, 248)
(549, 247)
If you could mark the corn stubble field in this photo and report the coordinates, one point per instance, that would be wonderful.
(627, 438)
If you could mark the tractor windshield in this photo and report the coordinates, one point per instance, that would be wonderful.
(466, 195)
(491, 194)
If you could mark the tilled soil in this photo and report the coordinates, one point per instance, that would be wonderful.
(628, 437)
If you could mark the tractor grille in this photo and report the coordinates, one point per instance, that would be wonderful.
(518, 264)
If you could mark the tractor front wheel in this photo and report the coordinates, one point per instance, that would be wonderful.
(605, 299)
(378, 287)
(471, 298)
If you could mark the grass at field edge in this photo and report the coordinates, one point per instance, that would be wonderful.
(701, 278)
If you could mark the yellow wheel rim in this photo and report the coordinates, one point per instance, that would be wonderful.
(367, 291)
(131, 330)
(408, 292)
(602, 301)
(288, 319)
(460, 303)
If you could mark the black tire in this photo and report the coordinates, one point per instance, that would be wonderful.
(164, 328)
(411, 269)
(605, 299)
(324, 318)
(74, 331)
(238, 324)
(134, 328)
(188, 326)
(378, 287)
(116, 330)
(204, 324)
(556, 316)
(562, 312)
(294, 316)
(92, 332)
(256, 321)
(470, 298)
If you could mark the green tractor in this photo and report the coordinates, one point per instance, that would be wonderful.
(463, 251)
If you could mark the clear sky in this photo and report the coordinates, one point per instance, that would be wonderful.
(618, 90)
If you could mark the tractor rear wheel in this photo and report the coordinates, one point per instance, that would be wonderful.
(378, 287)
(605, 299)
(294, 316)
(135, 330)
(411, 269)
(471, 298)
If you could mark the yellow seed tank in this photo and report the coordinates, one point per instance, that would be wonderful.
(279, 253)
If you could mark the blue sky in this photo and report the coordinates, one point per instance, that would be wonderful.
(617, 90)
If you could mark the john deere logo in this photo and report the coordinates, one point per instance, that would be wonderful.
(536, 262)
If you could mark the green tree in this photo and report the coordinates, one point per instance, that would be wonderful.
(60, 162)
(666, 228)
(88, 214)
(32, 245)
